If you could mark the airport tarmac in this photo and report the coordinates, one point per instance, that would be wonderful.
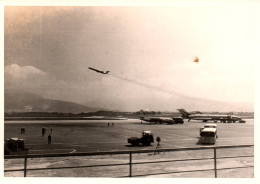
(89, 136)
(92, 136)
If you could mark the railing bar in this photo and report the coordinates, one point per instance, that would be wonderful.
(189, 171)
(235, 167)
(75, 167)
(239, 146)
(174, 172)
(236, 157)
(105, 165)
(130, 165)
(146, 174)
(14, 170)
(171, 161)
(25, 166)
(129, 152)
(136, 163)
(215, 162)
(141, 162)
(32, 169)
(116, 152)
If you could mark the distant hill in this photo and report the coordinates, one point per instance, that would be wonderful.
(26, 102)
(171, 103)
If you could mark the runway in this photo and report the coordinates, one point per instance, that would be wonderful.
(95, 136)
(91, 136)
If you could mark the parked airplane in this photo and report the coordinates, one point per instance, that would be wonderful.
(210, 117)
(99, 71)
(161, 120)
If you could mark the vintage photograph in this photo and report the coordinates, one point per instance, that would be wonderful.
(129, 91)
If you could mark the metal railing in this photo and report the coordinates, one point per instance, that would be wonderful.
(131, 163)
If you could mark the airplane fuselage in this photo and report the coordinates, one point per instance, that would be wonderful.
(209, 117)
(176, 120)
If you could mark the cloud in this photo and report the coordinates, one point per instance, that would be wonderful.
(33, 80)
(24, 78)
(28, 79)
(17, 72)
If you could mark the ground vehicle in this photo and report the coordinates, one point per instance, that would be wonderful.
(209, 125)
(146, 139)
(178, 120)
(14, 146)
(208, 136)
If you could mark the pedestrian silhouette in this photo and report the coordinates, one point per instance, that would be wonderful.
(43, 131)
(158, 147)
(49, 139)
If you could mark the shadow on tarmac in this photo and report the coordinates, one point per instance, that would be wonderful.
(129, 145)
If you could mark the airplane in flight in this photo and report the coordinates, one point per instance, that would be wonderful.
(224, 118)
(99, 71)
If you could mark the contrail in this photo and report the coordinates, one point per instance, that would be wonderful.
(145, 85)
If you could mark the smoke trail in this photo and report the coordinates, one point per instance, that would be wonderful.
(145, 85)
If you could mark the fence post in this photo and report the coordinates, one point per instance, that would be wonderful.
(130, 164)
(25, 165)
(215, 162)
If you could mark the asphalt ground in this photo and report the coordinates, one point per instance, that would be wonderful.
(76, 136)
(89, 136)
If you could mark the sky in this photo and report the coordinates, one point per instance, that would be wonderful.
(149, 52)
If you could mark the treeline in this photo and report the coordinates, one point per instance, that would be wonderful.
(59, 114)
(104, 113)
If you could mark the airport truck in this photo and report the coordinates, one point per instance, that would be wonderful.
(146, 139)
(209, 125)
(208, 136)
(15, 146)
(208, 133)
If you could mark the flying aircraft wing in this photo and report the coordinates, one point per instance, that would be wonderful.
(94, 69)
(99, 71)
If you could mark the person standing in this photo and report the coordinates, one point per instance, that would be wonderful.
(49, 139)
(43, 131)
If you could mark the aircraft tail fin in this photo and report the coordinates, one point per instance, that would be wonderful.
(142, 115)
(184, 113)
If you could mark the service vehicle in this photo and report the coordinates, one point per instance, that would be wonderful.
(209, 125)
(208, 136)
(15, 146)
(146, 139)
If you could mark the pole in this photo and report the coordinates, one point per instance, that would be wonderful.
(215, 161)
(130, 165)
(25, 165)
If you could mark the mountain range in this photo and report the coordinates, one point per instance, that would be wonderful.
(26, 102)
(171, 103)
